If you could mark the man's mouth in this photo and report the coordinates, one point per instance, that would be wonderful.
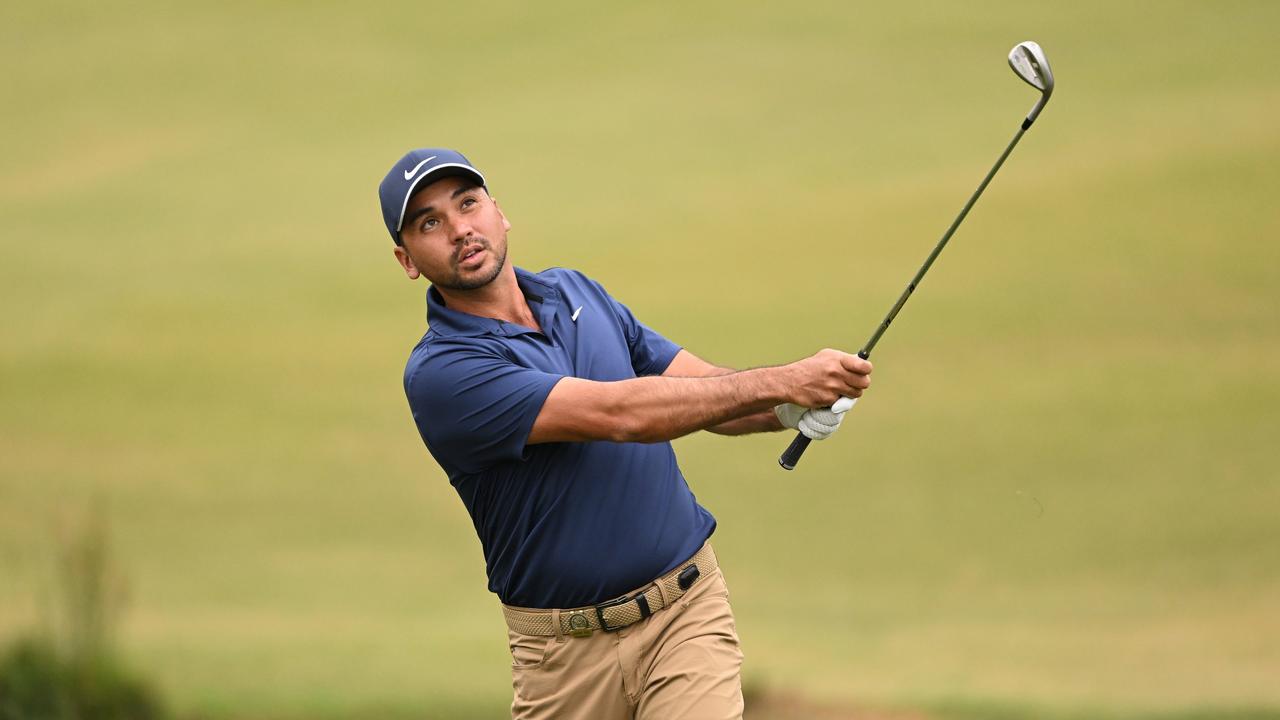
(471, 255)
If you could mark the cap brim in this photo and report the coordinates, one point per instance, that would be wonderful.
(438, 172)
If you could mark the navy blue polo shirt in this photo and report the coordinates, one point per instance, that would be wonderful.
(562, 524)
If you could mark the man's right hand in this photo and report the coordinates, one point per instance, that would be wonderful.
(820, 380)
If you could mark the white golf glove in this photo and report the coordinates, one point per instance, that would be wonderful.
(815, 424)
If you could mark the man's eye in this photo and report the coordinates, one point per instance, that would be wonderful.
(468, 202)
(429, 223)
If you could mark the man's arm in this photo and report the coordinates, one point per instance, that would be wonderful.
(655, 409)
(686, 364)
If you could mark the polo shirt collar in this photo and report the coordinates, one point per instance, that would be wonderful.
(543, 298)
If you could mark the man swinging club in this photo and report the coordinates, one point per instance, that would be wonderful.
(551, 408)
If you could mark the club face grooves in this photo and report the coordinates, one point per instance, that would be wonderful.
(1030, 63)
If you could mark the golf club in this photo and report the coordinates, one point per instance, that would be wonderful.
(1030, 64)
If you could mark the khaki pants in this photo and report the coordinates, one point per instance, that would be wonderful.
(683, 661)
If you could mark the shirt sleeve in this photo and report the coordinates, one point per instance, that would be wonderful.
(475, 408)
(651, 353)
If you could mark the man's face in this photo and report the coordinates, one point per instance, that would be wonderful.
(454, 235)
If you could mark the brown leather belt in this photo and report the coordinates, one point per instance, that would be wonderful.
(619, 613)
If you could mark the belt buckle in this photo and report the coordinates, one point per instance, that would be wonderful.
(604, 624)
(579, 624)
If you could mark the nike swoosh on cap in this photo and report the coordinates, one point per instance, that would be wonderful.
(408, 174)
(574, 317)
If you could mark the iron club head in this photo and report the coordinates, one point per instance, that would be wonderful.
(1031, 64)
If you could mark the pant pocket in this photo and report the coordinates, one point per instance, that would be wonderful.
(527, 651)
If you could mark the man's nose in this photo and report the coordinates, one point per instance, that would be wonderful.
(462, 230)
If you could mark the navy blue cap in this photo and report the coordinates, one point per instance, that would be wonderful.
(412, 172)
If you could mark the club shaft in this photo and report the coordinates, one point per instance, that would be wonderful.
(792, 454)
(915, 281)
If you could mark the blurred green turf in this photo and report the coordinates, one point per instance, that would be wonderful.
(1062, 493)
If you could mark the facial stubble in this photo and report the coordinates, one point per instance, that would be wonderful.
(457, 282)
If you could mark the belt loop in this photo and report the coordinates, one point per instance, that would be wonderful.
(555, 625)
(662, 592)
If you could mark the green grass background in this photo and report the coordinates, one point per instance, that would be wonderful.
(1060, 500)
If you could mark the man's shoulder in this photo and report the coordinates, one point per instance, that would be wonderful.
(418, 356)
(436, 351)
(572, 282)
(561, 275)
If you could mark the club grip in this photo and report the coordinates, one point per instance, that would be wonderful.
(792, 454)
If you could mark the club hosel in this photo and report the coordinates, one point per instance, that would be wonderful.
(1035, 112)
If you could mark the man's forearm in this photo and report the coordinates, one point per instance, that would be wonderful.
(686, 364)
(655, 409)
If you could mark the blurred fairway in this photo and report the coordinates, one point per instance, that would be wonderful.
(1060, 500)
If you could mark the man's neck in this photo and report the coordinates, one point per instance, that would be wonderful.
(500, 300)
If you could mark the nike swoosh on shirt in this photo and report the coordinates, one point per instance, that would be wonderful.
(408, 174)
(574, 317)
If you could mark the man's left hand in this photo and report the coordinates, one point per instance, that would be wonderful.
(816, 423)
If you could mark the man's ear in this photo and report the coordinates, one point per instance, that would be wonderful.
(506, 224)
(406, 262)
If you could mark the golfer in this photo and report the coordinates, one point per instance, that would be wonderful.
(551, 408)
